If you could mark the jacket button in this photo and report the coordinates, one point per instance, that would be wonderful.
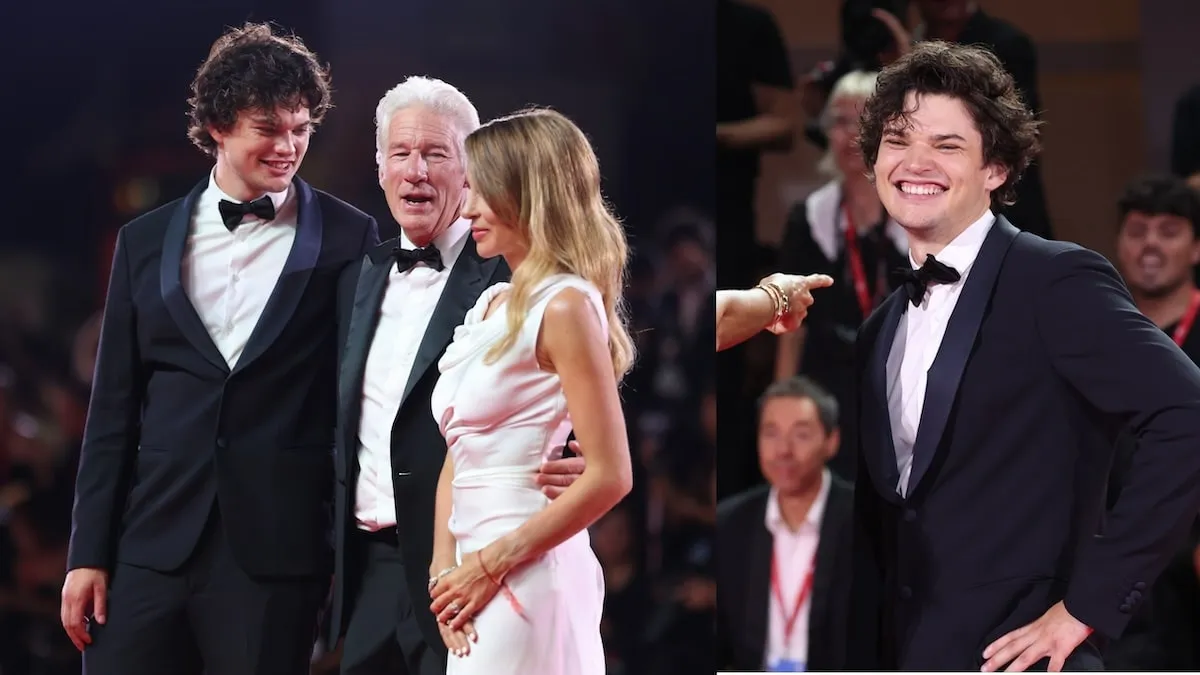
(906, 592)
(1134, 596)
(909, 515)
(1139, 586)
(222, 443)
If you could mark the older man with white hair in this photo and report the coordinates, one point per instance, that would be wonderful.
(397, 314)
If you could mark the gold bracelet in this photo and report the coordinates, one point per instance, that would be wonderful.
(770, 291)
(787, 303)
(778, 297)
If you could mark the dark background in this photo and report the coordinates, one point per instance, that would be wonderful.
(94, 103)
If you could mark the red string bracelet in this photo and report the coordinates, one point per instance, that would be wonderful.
(512, 599)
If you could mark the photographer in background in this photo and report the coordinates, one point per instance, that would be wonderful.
(873, 35)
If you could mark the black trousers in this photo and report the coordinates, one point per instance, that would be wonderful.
(383, 637)
(207, 617)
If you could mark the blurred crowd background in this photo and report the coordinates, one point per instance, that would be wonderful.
(96, 109)
(96, 137)
(1117, 85)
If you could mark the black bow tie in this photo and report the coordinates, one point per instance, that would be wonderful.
(233, 212)
(407, 258)
(916, 282)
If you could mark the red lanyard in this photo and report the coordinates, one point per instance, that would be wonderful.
(789, 618)
(856, 264)
(1189, 317)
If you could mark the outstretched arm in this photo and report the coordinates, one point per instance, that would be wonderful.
(743, 314)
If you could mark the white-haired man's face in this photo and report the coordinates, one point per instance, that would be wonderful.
(423, 172)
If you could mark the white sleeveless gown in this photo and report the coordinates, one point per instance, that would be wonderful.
(501, 421)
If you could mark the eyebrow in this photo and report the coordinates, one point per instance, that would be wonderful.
(431, 146)
(273, 121)
(937, 138)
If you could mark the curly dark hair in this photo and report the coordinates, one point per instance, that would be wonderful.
(972, 75)
(1160, 195)
(253, 68)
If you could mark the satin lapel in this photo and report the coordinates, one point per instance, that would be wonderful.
(945, 374)
(462, 291)
(171, 283)
(292, 281)
(876, 426)
(758, 576)
(364, 318)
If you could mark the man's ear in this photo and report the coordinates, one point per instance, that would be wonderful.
(997, 175)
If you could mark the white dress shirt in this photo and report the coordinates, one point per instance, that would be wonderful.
(407, 307)
(918, 339)
(794, 552)
(229, 276)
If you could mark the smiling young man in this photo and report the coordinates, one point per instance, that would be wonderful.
(989, 389)
(200, 532)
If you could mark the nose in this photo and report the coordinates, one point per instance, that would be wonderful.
(918, 158)
(286, 144)
(415, 168)
(469, 210)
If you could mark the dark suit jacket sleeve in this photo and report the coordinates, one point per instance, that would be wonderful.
(348, 281)
(370, 236)
(1125, 366)
(113, 425)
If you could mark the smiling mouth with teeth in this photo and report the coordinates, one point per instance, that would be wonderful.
(924, 189)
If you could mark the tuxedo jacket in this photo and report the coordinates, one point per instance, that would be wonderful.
(171, 429)
(418, 448)
(1044, 360)
(744, 550)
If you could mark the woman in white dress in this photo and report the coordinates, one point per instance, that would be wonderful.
(514, 583)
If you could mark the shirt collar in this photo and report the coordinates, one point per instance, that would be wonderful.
(450, 242)
(812, 520)
(216, 194)
(960, 253)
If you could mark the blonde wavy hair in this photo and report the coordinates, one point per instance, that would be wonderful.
(537, 171)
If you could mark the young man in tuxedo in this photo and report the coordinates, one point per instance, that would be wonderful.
(990, 388)
(398, 310)
(201, 523)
